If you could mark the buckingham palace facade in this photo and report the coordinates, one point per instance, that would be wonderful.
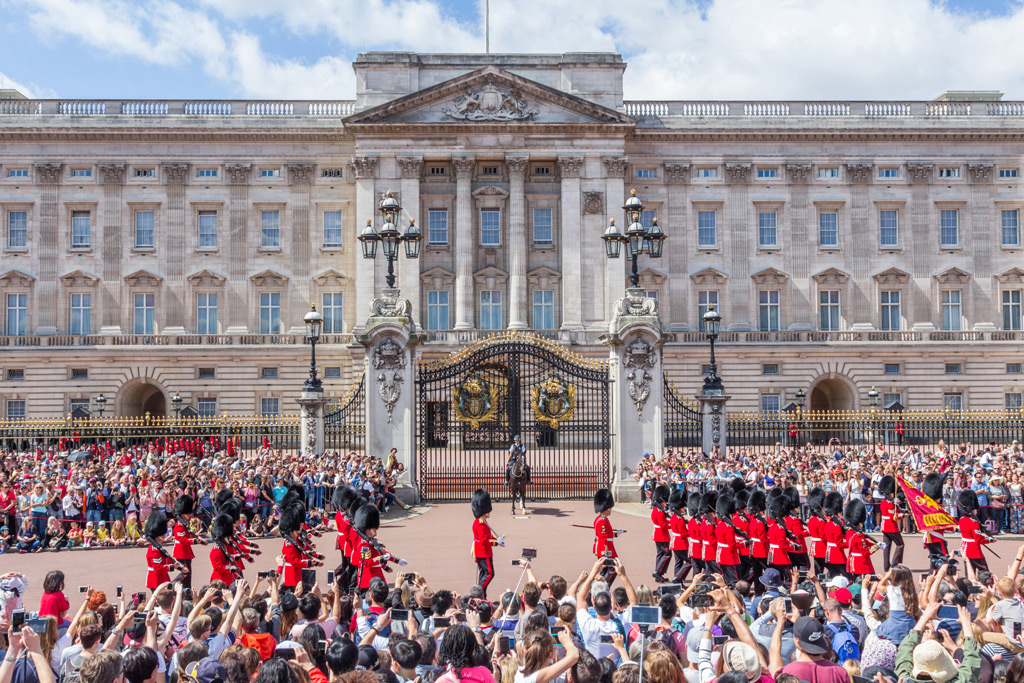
(154, 247)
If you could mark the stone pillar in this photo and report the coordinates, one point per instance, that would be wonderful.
(635, 338)
(734, 233)
(109, 289)
(518, 242)
(175, 305)
(572, 248)
(982, 211)
(300, 177)
(615, 194)
(365, 169)
(237, 287)
(677, 226)
(49, 177)
(921, 249)
(409, 269)
(311, 424)
(465, 245)
(712, 410)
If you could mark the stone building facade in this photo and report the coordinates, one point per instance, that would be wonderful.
(174, 246)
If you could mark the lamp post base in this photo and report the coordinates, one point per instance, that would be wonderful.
(311, 422)
(713, 418)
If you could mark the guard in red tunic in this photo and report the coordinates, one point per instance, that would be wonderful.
(890, 522)
(726, 555)
(340, 500)
(373, 556)
(484, 539)
(970, 530)
(757, 531)
(604, 534)
(353, 543)
(156, 557)
(834, 535)
(858, 546)
(741, 523)
(661, 535)
(183, 537)
(693, 532)
(797, 530)
(221, 556)
(707, 531)
(778, 535)
(816, 528)
(293, 559)
(934, 541)
(679, 545)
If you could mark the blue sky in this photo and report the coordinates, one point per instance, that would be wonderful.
(676, 49)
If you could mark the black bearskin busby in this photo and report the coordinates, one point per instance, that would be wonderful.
(833, 504)
(291, 497)
(778, 508)
(773, 493)
(603, 501)
(184, 505)
(741, 499)
(232, 508)
(708, 501)
(855, 513)
(223, 496)
(693, 504)
(481, 503)
(725, 506)
(757, 503)
(292, 519)
(677, 501)
(737, 484)
(967, 502)
(887, 485)
(815, 498)
(932, 486)
(367, 517)
(342, 498)
(794, 498)
(660, 495)
(223, 527)
(156, 525)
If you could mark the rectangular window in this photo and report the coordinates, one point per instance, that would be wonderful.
(270, 407)
(490, 309)
(489, 170)
(206, 407)
(145, 173)
(144, 226)
(332, 372)
(1014, 368)
(770, 403)
(15, 374)
(831, 172)
(949, 227)
(828, 229)
(17, 173)
(490, 227)
(270, 229)
(953, 401)
(767, 173)
(892, 368)
(647, 217)
(1007, 173)
(1010, 227)
(437, 226)
(542, 229)
(953, 368)
(81, 314)
(892, 318)
(332, 310)
(206, 313)
(1012, 309)
(144, 314)
(270, 313)
(80, 373)
(207, 373)
(81, 229)
(1013, 400)
(542, 170)
(78, 404)
(951, 309)
(17, 229)
(268, 373)
(332, 228)
(207, 173)
(770, 369)
(330, 173)
(707, 228)
(17, 314)
(707, 172)
(543, 309)
(889, 227)
(207, 229)
(437, 310)
(768, 310)
(828, 310)
(270, 173)
(438, 170)
(705, 298)
(889, 399)
(645, 173)
(81, 173)
(949, 172)
(651, 294)
(768, 228)
(889, 172)
(15, 409)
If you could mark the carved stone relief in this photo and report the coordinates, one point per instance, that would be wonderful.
(112, 174)
(364, 167)
(638, 362)
(593, 202)
(490, 103)
(238, 174)
(389, 362)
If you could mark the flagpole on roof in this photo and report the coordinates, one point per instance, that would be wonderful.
(487, 26)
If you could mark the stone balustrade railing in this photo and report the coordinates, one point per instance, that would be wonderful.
(79, 341)
(689, 108)
(198, 108)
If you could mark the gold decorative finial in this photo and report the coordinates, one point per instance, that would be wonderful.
(632, 192)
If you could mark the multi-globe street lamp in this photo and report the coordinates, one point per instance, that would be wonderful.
(314, 323)
(637, 238)
(389, 236)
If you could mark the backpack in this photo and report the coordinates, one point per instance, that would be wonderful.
(844, 643)
(69, 672)
(664, 636)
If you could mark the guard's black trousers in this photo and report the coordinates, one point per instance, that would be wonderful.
(484, 572)
(661, 558)
(895, 542)
(683, 565)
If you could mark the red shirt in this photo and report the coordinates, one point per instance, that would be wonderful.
(604, 537)
(660, 521)
(740, 522)
(159, 568)
(971, 542)
(707, 539)
(816, 532)
(680, 540)
(293, 564)
(889, 518)
(483, 539)
(182, 542)
(222, 566)
(758, 532)
(696, 547)
(796, 527)
(858, 546)
(725, 538)
(343, 527)
(835, 543)
(54, 604)
(371, 564)
(778, 544)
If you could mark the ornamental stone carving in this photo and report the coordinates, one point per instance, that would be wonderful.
(615, 167)
(516, 165)
(410, 167)
(919, 172)
(490, 103)
(112, 174)
(464, 166)
(677, 174)
(980, 173)
(389, 305)
(300, 174)
(175, 174)
(364, 167)
(310, 415)
(570, 166)
(635, 304)
(638, 363)
(798, 173)
(716, 422)
(389, 362)
(738, 173)
(238, 174)
(858, 173)
(593, 203)
(48, 174)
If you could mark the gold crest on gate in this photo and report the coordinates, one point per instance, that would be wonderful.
(554, 401)
(476, 401)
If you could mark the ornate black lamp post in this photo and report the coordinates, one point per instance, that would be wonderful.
(637, 237)
(873, 399)
(389, 237)
(176, 404)
(314, 323)
(101, 404)
(712, 324)
(801, 396)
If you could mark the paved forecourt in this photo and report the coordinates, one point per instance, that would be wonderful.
(438, 544)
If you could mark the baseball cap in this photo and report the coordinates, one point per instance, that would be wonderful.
(206, 670)
(844, 596)
(838, 582)
(810, 636)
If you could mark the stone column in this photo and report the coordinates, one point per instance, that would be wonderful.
(735, 234)
(803, 307)
(175, 305)
(311, 426)
(49, 177)
(572, 248)
(921, 249)
(109, 289)
(465, 245)
(236, 289)
(365, 169)
(300, 178)
(409, 270)
(677, 247)
(983, 212)
(712, 410)
(518, 242)
(615, 195)
(861, 304)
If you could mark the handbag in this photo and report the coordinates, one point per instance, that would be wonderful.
(999, 504)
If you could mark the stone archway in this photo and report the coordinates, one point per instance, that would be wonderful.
(139, 397)
(833, 392)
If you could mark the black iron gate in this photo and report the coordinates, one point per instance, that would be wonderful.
(345, 421)
(683, 424)
(470, 405)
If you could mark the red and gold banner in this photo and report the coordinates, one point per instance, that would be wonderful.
(928, 514)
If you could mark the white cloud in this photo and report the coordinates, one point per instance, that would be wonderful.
(29, 90)
(329, 78)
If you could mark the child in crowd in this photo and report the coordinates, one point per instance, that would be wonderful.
(132, 531)
(5, 539)
(76, 539)
(118, 536)
(102, 536)
(89, 535)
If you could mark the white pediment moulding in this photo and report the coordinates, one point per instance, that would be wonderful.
(79, 278)
(206, 278)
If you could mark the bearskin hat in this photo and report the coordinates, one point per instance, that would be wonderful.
(660, 494)
(292, 519)
(232, 508)
(603, 501)
(794, 497)
(741, 499)
(291, 497)
(481, 503)
(757, 502)
(773, 493)
(156, 525)
(833, 504)
(223, 527)
(887, 486)
(737, 484)
(342, 497)
(725, 506)
(693, 504)
(815, 498)
(778, 508)
(184, 505)
(708, 501)
(967, 502)
(677, 500)
(367, 517)
(223, 496)
(932, 486)
(855, 513)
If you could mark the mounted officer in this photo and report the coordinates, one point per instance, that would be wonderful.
(515, 451)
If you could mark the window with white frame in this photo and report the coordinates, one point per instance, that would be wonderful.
(437, 309)
(15, 409)
(1013, 400)
(828, 172)
(892, 317)
(1008, 173)
(889, 172)
(144, 230)
(270, 407)
(490, 227)
(954, 368)
(1014, 368)
(543, 232)
(268, 373)
(953, 401)
(78, 404)
(206, 373)
(889, 227)
(890, 398)
(331, 173)
(206, 407)
(270, 229)
(207, 229)
(206, 313)
(828, 229)
(892, 368)
(770, 403)
(543, 309)
(949, 227)
(145, 173)
(705, 299)
(81, 173)
(768, 228)
(206, 173)
(1012, 309)
(490, 309)
(81, 229)
(707, 228)
(80, 317)
(15, 374)
(437, 226)
(144, 313)
(332, 312)
(768, 310)
(17, 315)
(767, 173)
(645, 173)
(828, 310)
(952, 311)
(332, 372)
(1010, 219)
(647, 217)
(770, 369)
(707, 172)
(332, 229)
(17, 229)
(17, 173)
(270, 173)
(270, 313)
(949, 172)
